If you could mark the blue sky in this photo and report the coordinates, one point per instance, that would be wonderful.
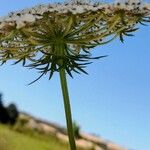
(113, 101)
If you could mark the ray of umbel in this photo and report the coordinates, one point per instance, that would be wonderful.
(58, 37)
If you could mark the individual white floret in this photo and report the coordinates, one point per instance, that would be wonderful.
(79, 9)
(3, 24)
(28, 18)
(20, 24)
(146, 6)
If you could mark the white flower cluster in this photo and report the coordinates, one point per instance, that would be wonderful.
(21, 18)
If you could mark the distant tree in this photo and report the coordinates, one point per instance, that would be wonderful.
(12, 113)
(4, 118)
(76, 129)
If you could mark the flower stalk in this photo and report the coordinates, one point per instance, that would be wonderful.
(67, 108)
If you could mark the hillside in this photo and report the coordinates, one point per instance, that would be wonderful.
(53, 134)
(12, 140)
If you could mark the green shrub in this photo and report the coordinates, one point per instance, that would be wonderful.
(76, 129)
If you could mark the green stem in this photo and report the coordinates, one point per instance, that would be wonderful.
(67, 108)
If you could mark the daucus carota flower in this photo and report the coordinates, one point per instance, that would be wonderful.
(61, 33)
(58, 37)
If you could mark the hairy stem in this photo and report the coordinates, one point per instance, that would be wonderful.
(67, 108)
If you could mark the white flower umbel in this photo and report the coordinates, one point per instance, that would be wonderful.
(21, 18)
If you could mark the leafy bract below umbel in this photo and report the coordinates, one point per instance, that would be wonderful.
(58, 36)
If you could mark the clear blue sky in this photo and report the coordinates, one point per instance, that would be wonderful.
(113, 101)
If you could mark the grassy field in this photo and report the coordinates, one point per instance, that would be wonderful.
(12, 140)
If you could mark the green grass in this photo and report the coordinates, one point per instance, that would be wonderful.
(12, 140)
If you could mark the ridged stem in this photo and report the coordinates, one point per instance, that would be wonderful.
(67, 108)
